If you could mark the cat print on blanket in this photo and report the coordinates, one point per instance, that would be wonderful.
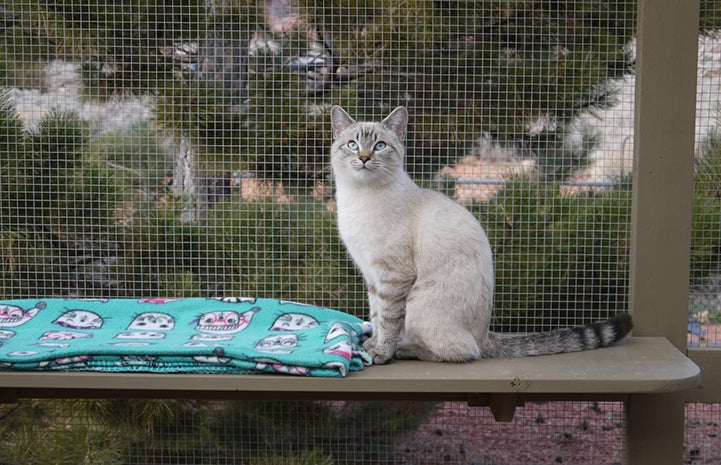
(195, 335)
(430, 289)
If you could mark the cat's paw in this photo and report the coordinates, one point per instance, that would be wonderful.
(378, 355)
(380, 358)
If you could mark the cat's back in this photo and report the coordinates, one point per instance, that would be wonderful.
(445, 222)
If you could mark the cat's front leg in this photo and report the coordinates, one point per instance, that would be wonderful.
(370, 343)
(387, 313)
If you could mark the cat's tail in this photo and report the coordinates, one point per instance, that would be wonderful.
(576, 339)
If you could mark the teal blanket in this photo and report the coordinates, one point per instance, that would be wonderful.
(230, 335)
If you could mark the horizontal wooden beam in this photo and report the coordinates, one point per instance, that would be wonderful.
(636, 365)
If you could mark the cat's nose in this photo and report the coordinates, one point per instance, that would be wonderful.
(364, 159)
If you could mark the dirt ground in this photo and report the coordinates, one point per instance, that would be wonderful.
(585, 433)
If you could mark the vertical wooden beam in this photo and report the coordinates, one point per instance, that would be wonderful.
(654, 429)
(664, 147)
(661, 217)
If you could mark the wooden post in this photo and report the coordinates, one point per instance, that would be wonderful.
(661, 217)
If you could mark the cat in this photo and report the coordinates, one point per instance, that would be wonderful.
(426, 260)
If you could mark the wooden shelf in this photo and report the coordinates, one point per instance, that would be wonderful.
(635, 366)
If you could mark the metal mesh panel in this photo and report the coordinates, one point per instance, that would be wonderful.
(167, 432)
(702, 420)
(156, 149)
(172, 432)
(704, 294)
(569, 432)
(702, 443)
(180, 149)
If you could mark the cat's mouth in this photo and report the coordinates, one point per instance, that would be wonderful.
(361, 165)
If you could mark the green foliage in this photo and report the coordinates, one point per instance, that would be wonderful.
(55, 157)
(203, 114)
(13, 141)
(35, 432)
(122, 171)
(232, 129)
(93, 213)
(117, 42)
(38, 168)
(706, 215)
(710, 15)
(289, 251)
(556, 254)
(341, 430)
(130, 432)
(465, 68)
(295, 142)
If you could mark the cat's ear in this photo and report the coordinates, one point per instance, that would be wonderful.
(397, 122)
(340, 120)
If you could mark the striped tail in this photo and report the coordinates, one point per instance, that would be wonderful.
(576, 339)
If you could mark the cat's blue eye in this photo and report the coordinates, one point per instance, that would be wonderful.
(380, 146)
(353, 145)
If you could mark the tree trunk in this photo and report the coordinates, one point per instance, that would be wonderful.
(184, 184)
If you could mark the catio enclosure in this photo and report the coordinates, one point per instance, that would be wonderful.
(180, 149)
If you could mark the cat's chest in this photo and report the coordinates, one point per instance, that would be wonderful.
(361, 223)
(373, 230)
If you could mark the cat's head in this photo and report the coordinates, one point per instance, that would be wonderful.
(368, 151)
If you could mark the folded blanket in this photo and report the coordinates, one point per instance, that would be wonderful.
(229, 335)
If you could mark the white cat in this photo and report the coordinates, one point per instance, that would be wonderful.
(426, 260)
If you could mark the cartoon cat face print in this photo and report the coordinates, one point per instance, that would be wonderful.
(280, 344)
(293, 322)
(11, 315)
(342, 348)
(225, 322)
(152, 321)
(80, 319)
(338, 329)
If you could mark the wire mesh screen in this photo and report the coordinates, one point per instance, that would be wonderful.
(168, 149)
(156, 149)
(702, 420)
(704, 306)
(167, 432)
(702, 434)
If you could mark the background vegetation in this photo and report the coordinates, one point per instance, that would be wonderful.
(180, 432)
(113, 224)
(87, 213)
(93, 214)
